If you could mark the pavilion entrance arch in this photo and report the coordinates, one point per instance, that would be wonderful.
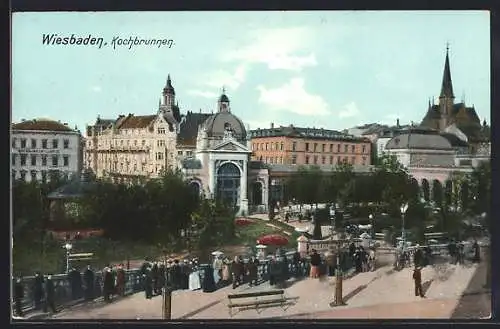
(257, 189)
(228, 184)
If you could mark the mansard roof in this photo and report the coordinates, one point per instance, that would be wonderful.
(189, 128)
(41, 124)
(134, 122)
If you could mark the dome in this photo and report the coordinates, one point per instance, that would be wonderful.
(419, 140)
(217, 123)
(223, 98)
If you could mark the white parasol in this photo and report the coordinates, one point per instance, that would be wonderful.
(260, 246)
(217, 253)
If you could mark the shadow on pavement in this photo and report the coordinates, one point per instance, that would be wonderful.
(354, 292)
(201, 309)
(426, 286)
(475, 302)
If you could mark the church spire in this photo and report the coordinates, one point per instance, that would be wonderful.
(447, 86)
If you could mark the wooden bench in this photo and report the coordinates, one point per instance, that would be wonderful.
(278, 298)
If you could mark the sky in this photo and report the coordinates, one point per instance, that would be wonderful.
(323, 69)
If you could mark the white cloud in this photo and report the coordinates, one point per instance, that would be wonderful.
(292, 97)
(221, 78)
(204, 94)
(350, 110)
(96, 89)
(281, 48)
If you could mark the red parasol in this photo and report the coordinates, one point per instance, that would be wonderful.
(273, 240)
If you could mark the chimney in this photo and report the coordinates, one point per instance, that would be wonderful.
(272, 125)
(397, 122)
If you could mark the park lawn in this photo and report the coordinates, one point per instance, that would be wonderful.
(248, 234)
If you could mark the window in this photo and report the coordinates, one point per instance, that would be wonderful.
(44, 176)
(23, 144)
(353, 160)
(364, 160)
(55, 143)
(338, 160)
(276, 146)
(315, 159)
(33, 160)
(307, 159)
(331, 159)
(14, 143)
(55, 161)
(65, 160)
(281, 147)
(338, 148)
(23, 175)
(353, 148)
(294, 146)
(364, 149)
(272, 146)
(23, 159)
(143, 142)
(331, 148)
(33, 175)
(160, 143)
(189, 153)
(66, 143)
(323, 148)
(161, 130)
(179, 152)
(135, 142)
(159, 156)
(346, 148)
(307, 147)
(294, 159)
(44, 143)
(44, 160)
(267, 146)
(33, 143)
(315, 147)
(323, 160)
(13, 159)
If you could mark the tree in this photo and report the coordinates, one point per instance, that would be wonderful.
(437, 193)
(480, 187)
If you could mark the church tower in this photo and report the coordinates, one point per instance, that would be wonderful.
(446, 98)
(168, 94)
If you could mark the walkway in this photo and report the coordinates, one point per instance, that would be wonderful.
(380, 294)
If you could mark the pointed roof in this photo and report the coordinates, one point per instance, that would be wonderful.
(169, 89)
(447, 86)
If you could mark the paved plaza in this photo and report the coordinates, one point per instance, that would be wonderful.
(384, 293)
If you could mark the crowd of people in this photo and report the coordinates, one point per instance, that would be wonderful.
(80, 284)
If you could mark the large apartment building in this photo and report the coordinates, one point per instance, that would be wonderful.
(43, 148)
(308, 146)
(134, 146)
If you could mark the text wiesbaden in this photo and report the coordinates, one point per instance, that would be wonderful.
(55, 40)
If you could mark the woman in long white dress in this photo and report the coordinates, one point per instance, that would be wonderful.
(194, 278)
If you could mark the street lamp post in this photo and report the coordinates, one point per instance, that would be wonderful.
(68, 246)
(372, 228)
(403, 209)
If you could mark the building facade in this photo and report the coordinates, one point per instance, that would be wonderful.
(211, 149)
(132, 147)
(42, 148)
(308, 146)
